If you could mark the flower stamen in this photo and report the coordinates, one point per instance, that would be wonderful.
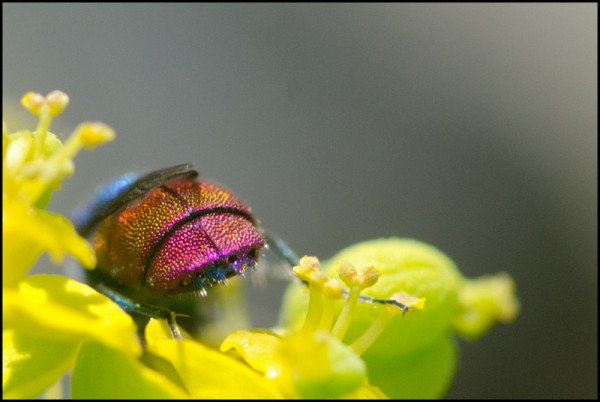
(357, 282)
(45, 108)
(37, 161)
(309, 270)
(332, 290)
(361, 344)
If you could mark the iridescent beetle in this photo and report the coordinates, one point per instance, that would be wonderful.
(166, 234)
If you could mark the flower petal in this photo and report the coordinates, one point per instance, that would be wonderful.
(319, 365)
(31, 364)
(256, 347)
(208, 373)
(58, 308)
(28, 231)
(104, 373)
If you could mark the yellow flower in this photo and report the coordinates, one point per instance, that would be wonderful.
(46, 317)
(33, 165)
(206, 373)
(313, 361)
(416, 356)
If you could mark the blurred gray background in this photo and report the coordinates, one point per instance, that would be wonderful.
(470, 127)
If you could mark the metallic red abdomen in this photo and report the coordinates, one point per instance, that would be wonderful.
(179, 237)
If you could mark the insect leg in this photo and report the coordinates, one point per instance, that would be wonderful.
(146, 310)
(281, 248)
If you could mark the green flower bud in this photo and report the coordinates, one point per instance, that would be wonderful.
(405, 266)
(412, 267)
